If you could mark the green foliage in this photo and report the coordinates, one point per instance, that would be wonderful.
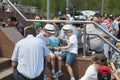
(110, 6)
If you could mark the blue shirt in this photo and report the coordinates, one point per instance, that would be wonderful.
(45, 39)
(29, 53)
(53, 41)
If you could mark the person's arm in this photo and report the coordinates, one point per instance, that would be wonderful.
(114, 71)
(62, 39)
(14, 57)
(110, 29)
(46, 52)
(65, 47)
(14, 64)
(47, 58)
(116, 31)
(112, 66)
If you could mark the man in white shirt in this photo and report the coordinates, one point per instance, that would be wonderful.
(28, 56)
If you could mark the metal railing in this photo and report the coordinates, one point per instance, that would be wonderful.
(67, 21)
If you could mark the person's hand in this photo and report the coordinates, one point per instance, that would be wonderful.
(87, 47)
(58, 48)
(60, 38)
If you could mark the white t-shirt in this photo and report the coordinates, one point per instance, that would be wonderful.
(90, 74)
(74, 46)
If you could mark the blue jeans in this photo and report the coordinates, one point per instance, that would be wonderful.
(68, 57)
(16, 75)
(19, 76)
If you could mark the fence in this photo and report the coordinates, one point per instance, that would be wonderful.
(67, 21)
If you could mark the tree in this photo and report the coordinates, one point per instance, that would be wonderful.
(110, 6)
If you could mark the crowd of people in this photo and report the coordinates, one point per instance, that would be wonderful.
(44, 43)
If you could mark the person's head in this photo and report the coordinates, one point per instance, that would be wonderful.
(56, 25)
(105, 15)
(63, 18)
(110, 18)
(29, 30)
(99, 59)
(68, 30)
(48, 30)
(37, 17)
(104, 73)
(11, 20)
(118, 45)
(97, 18)
(117, 17)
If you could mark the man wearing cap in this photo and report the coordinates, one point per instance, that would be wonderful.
(28, 56)
(69, 51)
(48, 30)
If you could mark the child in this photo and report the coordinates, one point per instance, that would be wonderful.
(53, 43)
(70, 51)
(104, 73)
(92, 70)
(115, 63)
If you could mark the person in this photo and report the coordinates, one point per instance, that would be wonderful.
(69, 52)
(117, 19)
(115, 63)
(106, 22)
(114, 26)
(57, 28)
(28, 56)
(38, 27)
(115, 30)
(92, 70)
(37, 17)
(94, 43)
(79, 28)
(53, 43)
(104, 73)
(48, 30)
(12, 22)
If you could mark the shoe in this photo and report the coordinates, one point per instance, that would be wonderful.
(44, 77)
(59, 73)
(54, 76)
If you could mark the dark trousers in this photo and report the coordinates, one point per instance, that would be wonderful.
(19, 76)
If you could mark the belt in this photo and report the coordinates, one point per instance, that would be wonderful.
(26, 78)
(96, 51)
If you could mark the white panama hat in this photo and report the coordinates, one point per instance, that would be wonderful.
(67, 27)
(49, 28)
